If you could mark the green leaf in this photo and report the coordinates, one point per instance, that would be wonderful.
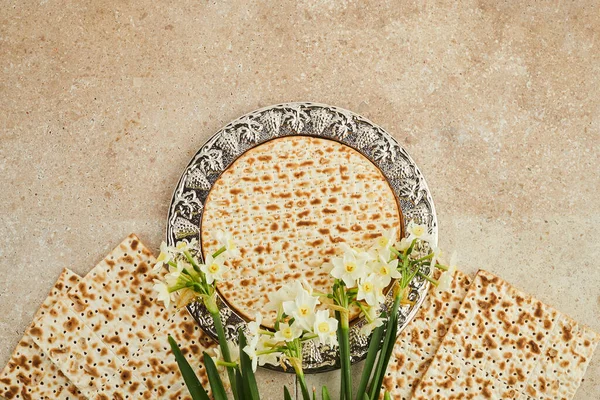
(370, 361)
(325, 393)
(386, 350)
(388, 347)
(246, 367)
(240, 384)
(191, 380)
(342, 355)
(286, 393)
(387, 396)
(224, 347)
(218, 391)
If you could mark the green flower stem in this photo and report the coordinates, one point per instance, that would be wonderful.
(227, 364)
(410, 248)
(427, 277)
(192, 261)
(219, 252)
(369, 364)
(427, 257)
(345, 355)
(303, 387)
(442, 267)
(308, 337)
(273, 350)
(214, 312)
(265, 332)
(198, 288)
(294, 353)
(178, 287)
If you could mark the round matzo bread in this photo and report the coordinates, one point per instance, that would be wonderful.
(289, 203)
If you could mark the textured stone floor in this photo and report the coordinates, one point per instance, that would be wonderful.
(102, 104)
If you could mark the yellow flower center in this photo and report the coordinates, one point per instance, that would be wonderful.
(323, 327)
(304, 311)
(384, 270)
(287, 333)
(213, 268)
(418, 230)
(350, 267)
(368, 287)
(382, 241)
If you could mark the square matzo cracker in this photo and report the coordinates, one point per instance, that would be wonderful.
(514, 340)
(30, 374)
(417, 344)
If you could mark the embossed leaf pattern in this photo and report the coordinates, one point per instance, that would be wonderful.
(189, 205)
(343, 124)
(212, 160)
(296, 118)
(249, 130)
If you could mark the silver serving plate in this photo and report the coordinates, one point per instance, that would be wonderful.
(306, 119)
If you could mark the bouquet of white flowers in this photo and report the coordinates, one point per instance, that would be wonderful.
(361, 277)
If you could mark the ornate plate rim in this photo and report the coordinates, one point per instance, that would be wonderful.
(315, 359)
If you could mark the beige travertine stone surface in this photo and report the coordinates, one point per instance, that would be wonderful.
(102, 104)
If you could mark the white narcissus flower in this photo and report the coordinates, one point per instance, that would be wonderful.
(264, 344)
(184, 246)
(175, 272)
(306, 286)
(326, 328)
(403, 244)
(164, 257)
(350, 267)
(371, 290)
(386, 240)
(386, 270)
(437, 253)
(452, 266)
(225, 239)
(373, 321)
(285, 293)
(234, 353)
(254, 326)
(367, 328)
(446, 279)
(418, 231)
(287, 333)
(163, 292)
(250, 349)
(444, 282)
(213, 268)
(302, 309)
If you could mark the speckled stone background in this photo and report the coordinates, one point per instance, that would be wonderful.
(102, 104)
